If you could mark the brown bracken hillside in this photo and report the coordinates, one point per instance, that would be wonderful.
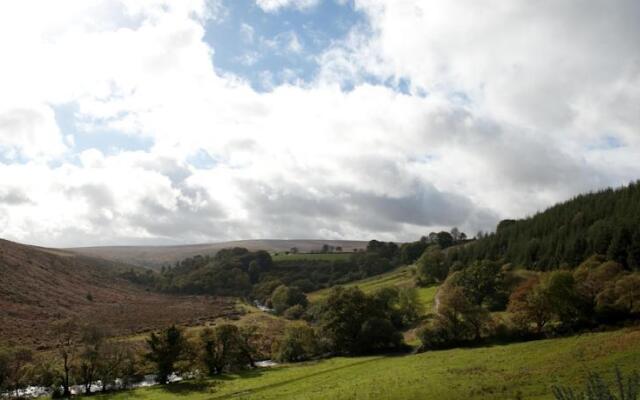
(39, 286)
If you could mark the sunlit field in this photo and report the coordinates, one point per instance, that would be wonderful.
(496, 372)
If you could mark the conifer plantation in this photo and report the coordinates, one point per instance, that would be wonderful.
(606, 223)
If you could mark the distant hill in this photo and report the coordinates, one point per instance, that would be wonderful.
(39, 286)
(605, 222)
(156, 256)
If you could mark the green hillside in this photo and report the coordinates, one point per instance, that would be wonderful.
(400, 277)
(496, 372)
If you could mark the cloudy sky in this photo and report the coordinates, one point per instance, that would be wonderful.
(180, 121)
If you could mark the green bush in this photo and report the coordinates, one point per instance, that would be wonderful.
(299, 343)
(294, 312)
(596, 388)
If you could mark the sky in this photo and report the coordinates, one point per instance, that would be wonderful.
(184, 121)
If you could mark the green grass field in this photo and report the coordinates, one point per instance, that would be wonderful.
(311, 256)
(400, 277)
(496, 372)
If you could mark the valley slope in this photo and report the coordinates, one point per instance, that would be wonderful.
(39, 286)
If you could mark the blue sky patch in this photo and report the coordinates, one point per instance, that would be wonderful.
(107, 140)
(607, 142)
(269, 49)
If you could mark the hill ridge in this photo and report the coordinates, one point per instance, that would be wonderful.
(156, 256)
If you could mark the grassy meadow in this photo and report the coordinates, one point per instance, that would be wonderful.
(495, 372)
(400, 277)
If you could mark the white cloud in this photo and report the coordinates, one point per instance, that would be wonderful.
(557, 76)
(547, 66)
(271, 6)
(518, 100)
(294, 45)
(248, 32)
(30, 131)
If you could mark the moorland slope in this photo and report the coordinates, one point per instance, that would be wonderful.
(39, 286)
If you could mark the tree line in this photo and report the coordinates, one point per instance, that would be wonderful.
(254, 275)
(605, 223)
(84, 355)
(346, 322)
(598, 292)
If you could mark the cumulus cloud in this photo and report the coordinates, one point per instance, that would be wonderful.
(551, 66)
(30, 131)
(506, 109)
(541, 77)
(12, 196)
(271, 6)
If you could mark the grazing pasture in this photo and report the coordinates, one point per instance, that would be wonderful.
(497, 372)
(400, 277)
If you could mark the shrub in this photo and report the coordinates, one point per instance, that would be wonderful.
(299, 343)
(597, 389)
(285, 297)
(294, 312)
(379, 334)
(436, 334)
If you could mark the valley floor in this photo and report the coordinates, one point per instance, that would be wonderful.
(495, 372)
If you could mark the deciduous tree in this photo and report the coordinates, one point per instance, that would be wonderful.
(284, 297)
(299, 343)
(66, 333)
(431, 266)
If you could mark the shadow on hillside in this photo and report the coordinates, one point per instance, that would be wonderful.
(252, 373)
(188, 387)
(289, 381)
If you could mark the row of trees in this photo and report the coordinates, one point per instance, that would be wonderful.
(240, 272)
(597, 292)
(87, 357)
(84, 356)
(409, 252)
(223, 348)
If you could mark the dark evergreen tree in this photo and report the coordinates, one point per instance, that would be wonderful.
(165, 350)
(444, 239)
